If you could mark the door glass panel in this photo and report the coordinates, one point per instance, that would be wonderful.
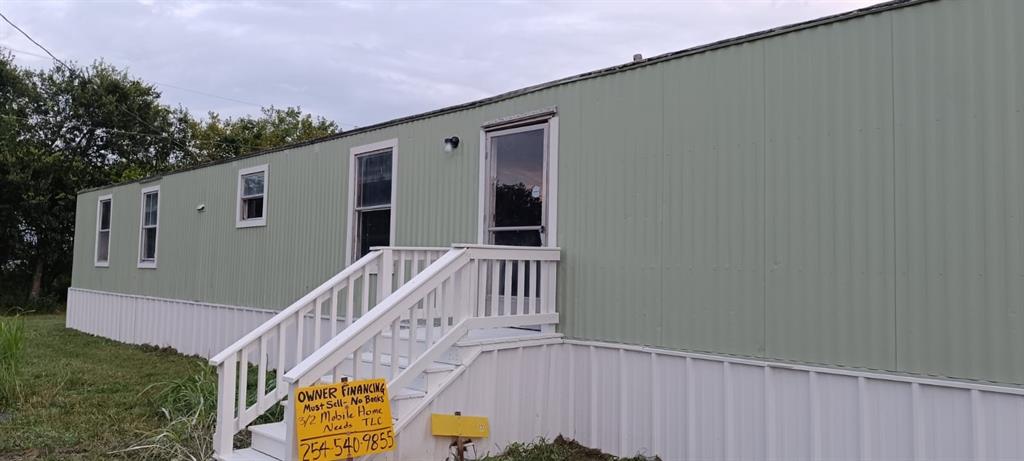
(518, 179)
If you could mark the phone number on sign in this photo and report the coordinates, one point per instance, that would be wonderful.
(344, 446)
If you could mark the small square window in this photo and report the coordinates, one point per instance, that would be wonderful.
(252, 197)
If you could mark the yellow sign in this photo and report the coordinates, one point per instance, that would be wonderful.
(459, 426)
(343, 420)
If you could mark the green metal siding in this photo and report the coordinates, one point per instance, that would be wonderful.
(829, 195)
(849, 194)
(960, 189)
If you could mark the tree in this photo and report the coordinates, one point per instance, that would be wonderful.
(217, 138)
(67, 128)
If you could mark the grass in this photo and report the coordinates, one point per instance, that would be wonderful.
(88, 398)
(12, 346)
(559, 449)
(84, 397)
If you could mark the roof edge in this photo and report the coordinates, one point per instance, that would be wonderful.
(724, 43)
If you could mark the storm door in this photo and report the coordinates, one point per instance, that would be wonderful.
(517, 177)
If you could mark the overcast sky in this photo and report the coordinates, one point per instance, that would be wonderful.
(364, 62)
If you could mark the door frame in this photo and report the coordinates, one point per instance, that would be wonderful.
(547, 117)
(354, 152)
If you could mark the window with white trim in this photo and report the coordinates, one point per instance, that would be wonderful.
(149, 226)
(372, 201)
(251, 206)
(103, 207)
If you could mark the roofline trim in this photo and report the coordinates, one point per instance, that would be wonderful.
(738, 40)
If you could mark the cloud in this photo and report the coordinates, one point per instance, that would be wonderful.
(363, 62)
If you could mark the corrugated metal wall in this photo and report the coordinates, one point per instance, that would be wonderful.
(627, 401)
(960, 189)
(850, 194)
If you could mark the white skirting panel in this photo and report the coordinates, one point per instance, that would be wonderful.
(629, 400)
(190, 327)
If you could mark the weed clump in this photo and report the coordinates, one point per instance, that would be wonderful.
(12, 343)
(559, 449)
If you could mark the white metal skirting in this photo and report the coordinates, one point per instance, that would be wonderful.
(629, 400)
(190, 327)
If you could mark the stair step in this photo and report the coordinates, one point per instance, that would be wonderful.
(248, 454)
(269, 439)
(502, 335)
(442, 364)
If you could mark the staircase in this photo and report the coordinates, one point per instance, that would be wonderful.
(410, 315)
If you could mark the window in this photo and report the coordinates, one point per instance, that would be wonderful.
(103, 231)
(149, 222)
(251, 209)
(373, 201)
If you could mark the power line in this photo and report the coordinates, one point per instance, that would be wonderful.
(150, 135)
(29, 37)
(74, 72)
(209, 94)
(178, 87)
(24, 52)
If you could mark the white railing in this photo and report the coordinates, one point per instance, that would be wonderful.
(297, 331)
(471, 286)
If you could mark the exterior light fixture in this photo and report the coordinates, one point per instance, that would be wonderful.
(451, 143)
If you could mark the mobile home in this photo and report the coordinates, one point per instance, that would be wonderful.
(802, 243)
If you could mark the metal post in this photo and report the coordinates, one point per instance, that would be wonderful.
(461, 455)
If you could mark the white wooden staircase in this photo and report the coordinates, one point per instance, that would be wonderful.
(415, 316)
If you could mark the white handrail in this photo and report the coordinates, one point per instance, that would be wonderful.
(302, 327)
(434, 296)
(319, 361)
(291, 310)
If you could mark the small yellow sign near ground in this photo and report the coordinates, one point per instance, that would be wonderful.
(459, 426)
(343, 420)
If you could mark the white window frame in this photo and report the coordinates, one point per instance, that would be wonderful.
(506, 125)
(261, 221)
(146, 263)
(99, 221)
(351, 239)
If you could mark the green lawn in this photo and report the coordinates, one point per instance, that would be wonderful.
(83, 396)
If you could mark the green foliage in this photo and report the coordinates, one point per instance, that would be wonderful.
(560, 449)
(12, 344)
(65, 129)
(217, 138)
(188, 408)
